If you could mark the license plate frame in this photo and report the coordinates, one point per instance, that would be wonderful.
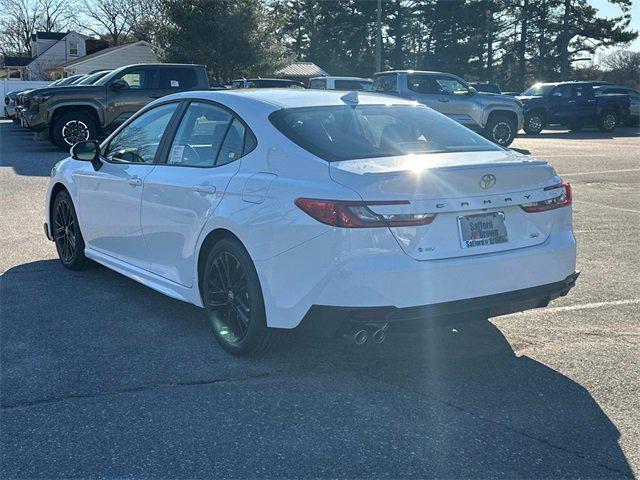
(491, 231)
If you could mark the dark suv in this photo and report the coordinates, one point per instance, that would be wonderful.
(83, 112)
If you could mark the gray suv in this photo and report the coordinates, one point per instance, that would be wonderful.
(497, 117)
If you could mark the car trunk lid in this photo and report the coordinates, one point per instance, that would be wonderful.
(476, 197)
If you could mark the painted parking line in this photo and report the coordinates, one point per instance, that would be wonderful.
(587, 306)
(602, 171)
(607, 206)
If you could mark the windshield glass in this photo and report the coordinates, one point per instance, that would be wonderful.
(337, 133)
(539, 90)
(91, 79)
(109, 76)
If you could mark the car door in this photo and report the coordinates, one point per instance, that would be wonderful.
(109, 198)
(562, 105)
(129, 92)
(185, 189)
(453, 100)
(583, 102)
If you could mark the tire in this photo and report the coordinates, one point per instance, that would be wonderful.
(73, 127)
(534, 123)
(501, 129)
(66, 233)
(607, 121)
(234, 303)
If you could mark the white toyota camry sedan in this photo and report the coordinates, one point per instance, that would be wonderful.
(344, 212)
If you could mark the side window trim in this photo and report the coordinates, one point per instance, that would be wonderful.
(224, 137)
(174, 124)
(105, 147)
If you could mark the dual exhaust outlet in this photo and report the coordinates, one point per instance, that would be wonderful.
(361, 334)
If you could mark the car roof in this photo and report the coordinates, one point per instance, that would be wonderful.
(415, 71)
(291, 98)
(342, 78)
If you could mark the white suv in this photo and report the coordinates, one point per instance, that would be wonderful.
(340, 83)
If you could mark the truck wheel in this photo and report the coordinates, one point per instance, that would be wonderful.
(533, 123)
(71, 128)
(607, 121)
(501, 129)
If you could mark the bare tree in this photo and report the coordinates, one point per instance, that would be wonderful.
(622, 67)
(20, 19)
(56, 15)
(110, 19)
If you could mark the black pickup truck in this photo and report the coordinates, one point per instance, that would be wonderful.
(82, 112)
(572, 105)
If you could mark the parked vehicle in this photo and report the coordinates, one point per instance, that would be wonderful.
(344, 212)
(11, 100)
(634, 99)
(486, 87)
(340, 83)
(497, 117)
(83, 112)
(572, 105)
(266, 83)
(92, 78)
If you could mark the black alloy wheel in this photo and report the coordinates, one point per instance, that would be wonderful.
(233, 299)
(66, 233)
(228, 298)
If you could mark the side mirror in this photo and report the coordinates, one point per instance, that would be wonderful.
(87, 151)
(118, 84)
(472, 91)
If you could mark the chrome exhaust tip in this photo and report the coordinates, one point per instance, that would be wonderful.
(360, 337)
(380, 335)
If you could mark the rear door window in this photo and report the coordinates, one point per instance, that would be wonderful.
(177, 78)
(318, 83)
(352, 85)
(385, 83)
(423, 84)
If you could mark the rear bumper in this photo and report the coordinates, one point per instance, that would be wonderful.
(329, 320)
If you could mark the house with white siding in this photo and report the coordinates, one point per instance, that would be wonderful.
(47, 50)
(108, 59)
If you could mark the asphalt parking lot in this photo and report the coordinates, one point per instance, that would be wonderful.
(102, 377)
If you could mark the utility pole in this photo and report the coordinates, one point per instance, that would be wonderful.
(379, 38)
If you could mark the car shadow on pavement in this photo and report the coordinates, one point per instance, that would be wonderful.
(93, 362)
(27, 156)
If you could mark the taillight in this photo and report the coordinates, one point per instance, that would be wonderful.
(355, 214)
(561, 200)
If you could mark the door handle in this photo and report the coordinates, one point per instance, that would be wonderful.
(591, 101)
(135, 181)
(443, 100)
(204, 189)
(571, 101)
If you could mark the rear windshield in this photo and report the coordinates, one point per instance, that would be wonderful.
(337, 133)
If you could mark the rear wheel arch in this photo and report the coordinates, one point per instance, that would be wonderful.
(213, 237)
(55, 191)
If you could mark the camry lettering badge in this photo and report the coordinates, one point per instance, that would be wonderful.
(487, 181)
